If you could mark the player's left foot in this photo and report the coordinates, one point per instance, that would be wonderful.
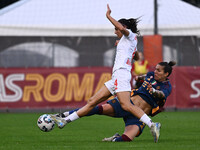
(110, 139)
(59, 121)
(155, 131)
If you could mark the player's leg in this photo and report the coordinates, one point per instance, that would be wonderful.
(139, 113)
(131, 131)
(99, 97)
(133, 128)
(105, 109)
(129, 134)
(122, 79)
(102, 95)
(124, 99)
(131, 122)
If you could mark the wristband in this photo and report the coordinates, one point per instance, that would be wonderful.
(154, 90)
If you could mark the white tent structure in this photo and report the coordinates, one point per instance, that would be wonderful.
(87, 17)
(33, 54)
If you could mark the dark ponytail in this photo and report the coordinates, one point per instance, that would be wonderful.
(172, 63)
(168, 66)
(130, 24)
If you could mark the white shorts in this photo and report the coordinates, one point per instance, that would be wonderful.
(120, 81)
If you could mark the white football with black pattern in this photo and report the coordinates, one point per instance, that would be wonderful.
(45, 123)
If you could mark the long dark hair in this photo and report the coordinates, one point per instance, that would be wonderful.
(130, 24)
(167, 66)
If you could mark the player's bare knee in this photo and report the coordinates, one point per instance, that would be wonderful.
(91, 102)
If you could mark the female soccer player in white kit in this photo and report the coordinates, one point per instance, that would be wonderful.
(120, 85)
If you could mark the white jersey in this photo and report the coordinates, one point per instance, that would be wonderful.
(126, 49)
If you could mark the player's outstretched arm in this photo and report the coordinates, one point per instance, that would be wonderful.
(140, 78)
(117, 25)
(156, 93)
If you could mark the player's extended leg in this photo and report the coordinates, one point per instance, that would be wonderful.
(102, 95)
(124, 99)
(105, 109)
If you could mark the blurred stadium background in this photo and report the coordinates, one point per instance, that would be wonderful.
(55, 54)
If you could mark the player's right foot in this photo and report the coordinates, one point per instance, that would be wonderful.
(59, 121)
(155, 131)
(110, 139)
(59, 115)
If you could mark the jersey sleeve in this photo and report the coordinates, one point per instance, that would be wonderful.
(131, 35)
(167, 90)
(149, 74)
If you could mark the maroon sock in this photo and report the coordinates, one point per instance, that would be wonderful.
(100, 109)
(126, 138)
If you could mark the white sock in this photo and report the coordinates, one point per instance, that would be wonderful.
(66, 113)
(146, 120)
(74, 116)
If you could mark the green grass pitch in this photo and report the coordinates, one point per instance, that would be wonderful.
(180, 131)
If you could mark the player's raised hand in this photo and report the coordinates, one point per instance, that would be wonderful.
(108, 10)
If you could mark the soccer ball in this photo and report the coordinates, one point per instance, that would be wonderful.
(45, 123)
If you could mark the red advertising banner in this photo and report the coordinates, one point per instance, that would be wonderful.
(188, 87)
(72, 87)
(185, 88)
(50, 87)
